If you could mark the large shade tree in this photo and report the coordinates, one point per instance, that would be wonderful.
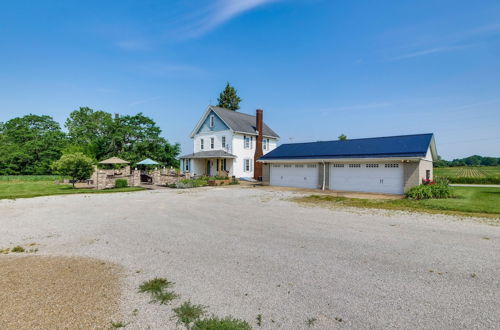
(30, 144)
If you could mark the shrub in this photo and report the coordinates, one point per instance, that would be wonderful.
(77, 166)
(17, 249)
(437, 189)
(216, 323)
(192, 183)
(121, 183)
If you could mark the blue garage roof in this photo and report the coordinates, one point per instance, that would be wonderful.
(380, 147)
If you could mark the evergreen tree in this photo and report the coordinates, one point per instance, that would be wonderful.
(342, 137)
(229, 99)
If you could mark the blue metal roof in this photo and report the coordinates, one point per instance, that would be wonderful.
(380, 147)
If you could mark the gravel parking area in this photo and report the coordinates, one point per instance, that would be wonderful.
(250, 251)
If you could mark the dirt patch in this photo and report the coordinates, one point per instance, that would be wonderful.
(57, 292)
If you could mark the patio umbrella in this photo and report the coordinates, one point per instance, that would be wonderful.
(148, 161)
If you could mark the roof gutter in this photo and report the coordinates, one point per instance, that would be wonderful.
(340, 160)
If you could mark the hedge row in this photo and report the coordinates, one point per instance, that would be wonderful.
(469, 180)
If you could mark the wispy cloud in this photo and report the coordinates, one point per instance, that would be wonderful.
(430, 51)
(208, 18)
(472, 37)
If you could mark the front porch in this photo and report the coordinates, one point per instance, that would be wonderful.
(208, 163)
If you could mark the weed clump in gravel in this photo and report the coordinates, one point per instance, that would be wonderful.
(118, 324)
(17, 249)
(216, 323)
(188, 313)
(157, 288)
(310, 321)
(259, 320)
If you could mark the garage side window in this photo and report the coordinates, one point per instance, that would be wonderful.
(354, 165)
(276, 165)
(299, 165)
(391, 165)
(372, 165)
(311, 166)
(338, 165)
(287, 165)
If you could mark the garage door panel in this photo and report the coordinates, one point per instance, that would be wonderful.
(300, 176)
(367, 178)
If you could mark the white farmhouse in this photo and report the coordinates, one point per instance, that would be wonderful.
(228, 142)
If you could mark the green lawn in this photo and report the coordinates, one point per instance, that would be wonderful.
(31, 187)
(468, 201)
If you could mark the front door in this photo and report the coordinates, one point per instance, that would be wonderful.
(208, 167)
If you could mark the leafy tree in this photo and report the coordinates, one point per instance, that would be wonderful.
(30, 144)
(76, 165)
(91, 131)
(229, 99)
(342, 137)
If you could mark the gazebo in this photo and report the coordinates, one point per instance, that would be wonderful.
(113, 161)
(148, 161)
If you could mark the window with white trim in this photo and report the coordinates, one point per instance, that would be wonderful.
(391, 165)
(212, 121)
(372, 165)
(202, 144)
(247, 140)
(223, 142)
(186, 164)
(265, 144)
(212, 143)
(354, 165)
(311, 165)
(338, 165)
(247, 165)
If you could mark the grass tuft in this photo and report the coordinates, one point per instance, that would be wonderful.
(216, 323)
(118, 324)
(17, 249)
(310, 321)
(155, 285)
(188, 313)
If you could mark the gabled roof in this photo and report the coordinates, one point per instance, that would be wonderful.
(209, 154)
(236, 121)
(404, 146)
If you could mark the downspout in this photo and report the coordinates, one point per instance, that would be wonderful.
(324, 176)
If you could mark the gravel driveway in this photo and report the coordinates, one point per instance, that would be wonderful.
(250, 251)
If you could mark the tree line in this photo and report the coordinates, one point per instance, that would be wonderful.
(29, 145)
(468, 161)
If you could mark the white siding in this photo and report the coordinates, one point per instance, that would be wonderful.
(218, 141)
(241, 153)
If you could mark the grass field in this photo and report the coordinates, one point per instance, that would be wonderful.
(472, 201)
(470, 174)
(12, 187)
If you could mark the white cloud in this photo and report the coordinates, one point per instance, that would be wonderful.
(208, 18)
(430, 51)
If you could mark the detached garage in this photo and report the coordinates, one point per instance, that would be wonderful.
(389, 165)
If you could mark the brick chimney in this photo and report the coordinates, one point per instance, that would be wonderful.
(257, 167)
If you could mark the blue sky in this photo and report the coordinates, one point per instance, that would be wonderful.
(317, 68)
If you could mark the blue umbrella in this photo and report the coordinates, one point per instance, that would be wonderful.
(148, 161)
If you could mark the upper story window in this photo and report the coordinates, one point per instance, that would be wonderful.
(223, 142)
(247, 142)
(265, 144)
(212, 143)
(212, 121)
(202, 144)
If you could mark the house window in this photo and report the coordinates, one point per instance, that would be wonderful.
(338, 165)
(223, 142)
(202, 144)
(247, 142)
(354, 165)
(391, 165)
(427, 174)
(212, 121)
(247, 165)
(186, 164)
(372, 165)
(265, 144)
(212, 143)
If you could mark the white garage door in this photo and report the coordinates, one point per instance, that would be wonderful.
(377, 178)
(294, 175)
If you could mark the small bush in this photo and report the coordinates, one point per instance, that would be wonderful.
(155, 285)
(191, 183)
(216, 323)
(17, 249)
(121, 183)
(438, 189)
(187, 313)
